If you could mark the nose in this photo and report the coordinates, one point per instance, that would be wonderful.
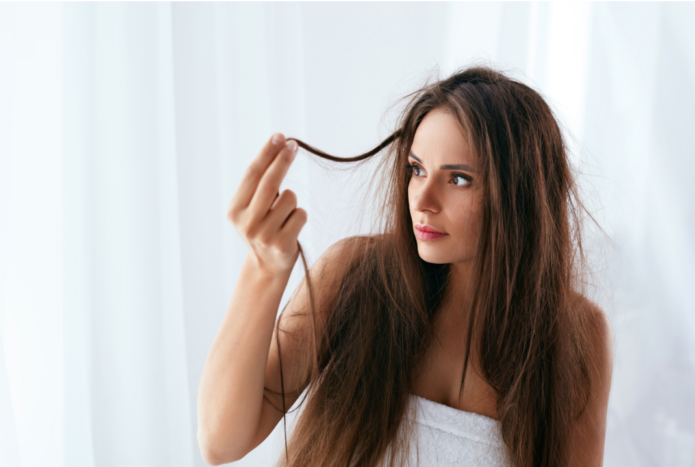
(425, 196)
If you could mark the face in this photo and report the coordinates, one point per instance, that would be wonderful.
(444, 192)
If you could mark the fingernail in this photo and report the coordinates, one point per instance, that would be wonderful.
(277, 139)
(292, 145)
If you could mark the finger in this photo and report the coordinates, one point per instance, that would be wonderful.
(278, 214)
(277, 195)
(256, 169)
(270, 184)
(294, 223)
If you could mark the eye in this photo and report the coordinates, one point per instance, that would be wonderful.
(413, 168)
(465, 179)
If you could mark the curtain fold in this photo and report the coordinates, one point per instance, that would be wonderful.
(125, 129)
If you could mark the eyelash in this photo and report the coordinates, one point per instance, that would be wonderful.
(467, 178)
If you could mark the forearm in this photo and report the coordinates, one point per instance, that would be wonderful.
(230, 395)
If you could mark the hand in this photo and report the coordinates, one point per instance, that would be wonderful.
(268, 222)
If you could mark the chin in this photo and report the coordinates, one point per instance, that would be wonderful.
(430, 255)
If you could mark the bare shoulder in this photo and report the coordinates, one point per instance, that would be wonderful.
(293, 330)
(600, 337)
(587, 441)
(298, 321)
(334, 262)
(598, 320)
(324, 279)
(342, 253)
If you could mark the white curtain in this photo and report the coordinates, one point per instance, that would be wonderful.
(124, 129)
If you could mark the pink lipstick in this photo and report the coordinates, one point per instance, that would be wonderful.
(426, 232)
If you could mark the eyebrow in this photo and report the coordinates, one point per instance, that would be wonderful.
(465, 167)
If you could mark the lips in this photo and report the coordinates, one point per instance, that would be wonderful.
(427, 232)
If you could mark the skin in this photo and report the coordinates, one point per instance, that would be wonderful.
(448, 199)
(233, 415)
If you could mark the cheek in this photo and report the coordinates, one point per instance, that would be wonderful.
(469, 223)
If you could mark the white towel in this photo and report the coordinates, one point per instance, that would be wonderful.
(445, 436)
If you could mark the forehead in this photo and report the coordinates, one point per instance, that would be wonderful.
(440, 138)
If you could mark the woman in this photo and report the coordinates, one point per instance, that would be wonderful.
(466, 307)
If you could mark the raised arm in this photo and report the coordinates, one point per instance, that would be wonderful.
(233, 415)
(231, 388)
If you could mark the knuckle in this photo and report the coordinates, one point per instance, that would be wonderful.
(268, 189)
(250, 232)
(286, 246)
(252, 171)
(233, 215)
(265, 240)
(245, 232)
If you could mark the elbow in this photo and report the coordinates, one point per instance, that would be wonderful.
(212, 455)
(209, 455)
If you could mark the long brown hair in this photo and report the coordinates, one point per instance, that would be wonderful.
(525, 325)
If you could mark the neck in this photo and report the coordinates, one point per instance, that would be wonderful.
(460, 289)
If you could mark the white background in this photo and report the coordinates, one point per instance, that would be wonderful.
(124, 130)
